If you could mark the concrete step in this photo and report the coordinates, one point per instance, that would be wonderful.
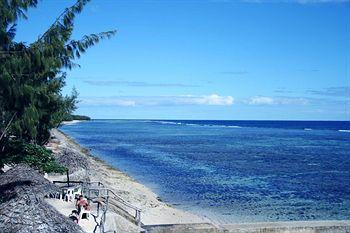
(264, 227)
(290, 227)
(183, 228)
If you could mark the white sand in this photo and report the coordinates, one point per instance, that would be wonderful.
(153, 210)
(70, 122)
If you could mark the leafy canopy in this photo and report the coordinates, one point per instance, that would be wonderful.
(31, 76)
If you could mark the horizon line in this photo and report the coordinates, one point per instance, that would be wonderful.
(208, 119)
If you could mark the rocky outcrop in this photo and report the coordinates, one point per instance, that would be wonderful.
(22, 204)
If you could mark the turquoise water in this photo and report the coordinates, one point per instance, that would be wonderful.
(232, 171)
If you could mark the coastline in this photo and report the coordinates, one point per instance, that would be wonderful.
(158, 216)
(154, 211)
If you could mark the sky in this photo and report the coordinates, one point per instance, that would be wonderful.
(209, 59)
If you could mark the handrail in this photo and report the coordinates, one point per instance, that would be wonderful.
(117, 196)
(108, 194)
(124, 202)
(78, 182)
(65, 182)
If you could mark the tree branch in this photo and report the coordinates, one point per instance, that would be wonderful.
(8, 126)
(79, 2)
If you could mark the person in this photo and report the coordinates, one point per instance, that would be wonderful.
(82, 203)
(74, 216)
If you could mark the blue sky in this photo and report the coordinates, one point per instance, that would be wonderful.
(209, 59)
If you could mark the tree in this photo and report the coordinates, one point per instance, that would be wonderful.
(31, 77)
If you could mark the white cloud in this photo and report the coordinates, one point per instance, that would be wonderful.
(213, 99)
(106, 101)
(216, 100)
(182, 100)
(293, 101)
(265, 100)
(261, 100)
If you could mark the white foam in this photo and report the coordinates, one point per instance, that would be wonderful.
(307, 129)
(167, 122)
(344, 130)
(190, 124)
(70, 122)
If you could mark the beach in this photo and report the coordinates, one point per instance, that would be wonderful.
(153, 212)
(217, 116)
(213, 168)
(156, 215)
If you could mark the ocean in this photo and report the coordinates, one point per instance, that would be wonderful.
(232, 171)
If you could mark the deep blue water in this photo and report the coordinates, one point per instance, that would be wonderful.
(232, 171)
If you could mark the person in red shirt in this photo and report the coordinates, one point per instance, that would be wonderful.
(82, 202)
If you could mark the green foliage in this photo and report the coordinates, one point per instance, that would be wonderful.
(41, 158)
(77, 117)
(34, 155)
(31, 77)
(81, 118)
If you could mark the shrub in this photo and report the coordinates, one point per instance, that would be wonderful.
(34, 155)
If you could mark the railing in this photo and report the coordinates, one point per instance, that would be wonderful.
(79, 182)
(96, 191)
(117, 203)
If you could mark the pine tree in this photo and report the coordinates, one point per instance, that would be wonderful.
(31, 77)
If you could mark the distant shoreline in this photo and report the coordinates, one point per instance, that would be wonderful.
(171, 119)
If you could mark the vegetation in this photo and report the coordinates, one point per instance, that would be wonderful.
(34, 155)
(31, 80)
(76, 117)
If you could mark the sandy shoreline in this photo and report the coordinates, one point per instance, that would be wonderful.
(154, 211)
(158, 215)
(70, 122)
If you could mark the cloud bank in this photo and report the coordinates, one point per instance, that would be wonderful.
(213, 100)
(182, 100)
(106, 101)
(265, 100)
